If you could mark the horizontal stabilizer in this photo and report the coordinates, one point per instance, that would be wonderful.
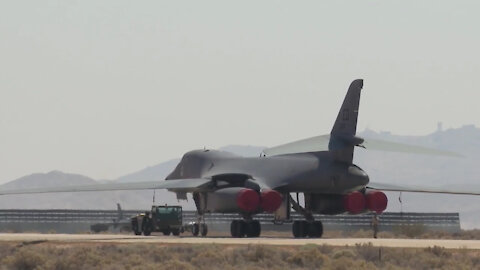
(185, 185)
(313, 144)
(320, 143)
(380, 145)
(411, 188)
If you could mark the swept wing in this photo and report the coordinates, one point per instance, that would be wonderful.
(320, 143)
(414, 188)
(183, 185)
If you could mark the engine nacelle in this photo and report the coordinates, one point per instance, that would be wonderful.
(329, 204)
(234, 199)
(376, 201)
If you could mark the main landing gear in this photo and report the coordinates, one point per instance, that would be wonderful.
(245, 228)
(305, 228)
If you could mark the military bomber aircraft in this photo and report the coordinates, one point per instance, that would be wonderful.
(320, 167)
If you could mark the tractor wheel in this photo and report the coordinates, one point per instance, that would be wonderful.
(147, 226)
(135, 229)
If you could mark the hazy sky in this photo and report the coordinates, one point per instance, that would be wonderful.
(104, 88)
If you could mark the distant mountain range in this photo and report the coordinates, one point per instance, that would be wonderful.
(383, 167)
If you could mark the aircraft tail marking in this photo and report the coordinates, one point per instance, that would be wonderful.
(346, 123)
(342, 137)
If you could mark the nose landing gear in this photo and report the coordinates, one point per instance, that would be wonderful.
(305, 228)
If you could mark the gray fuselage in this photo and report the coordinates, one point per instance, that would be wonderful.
(316, 172)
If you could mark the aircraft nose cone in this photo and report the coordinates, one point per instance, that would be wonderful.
(358, 176)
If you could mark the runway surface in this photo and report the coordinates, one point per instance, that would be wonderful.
(119, 238)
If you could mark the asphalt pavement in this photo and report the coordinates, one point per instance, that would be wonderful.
(121, 238)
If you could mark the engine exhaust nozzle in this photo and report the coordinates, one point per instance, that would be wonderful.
(376, 201)
(248, 200)
(270, 200)
(354, 202)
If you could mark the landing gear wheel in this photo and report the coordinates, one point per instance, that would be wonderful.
(176, 232)
(147, 226)
(166, 232)
(195, 229)
(315, 229)
(319, 226)
(135, 229)
(234, 228)
(300, 228)
(237, 228)
(253, 228)
(203, 229)
(295, 229)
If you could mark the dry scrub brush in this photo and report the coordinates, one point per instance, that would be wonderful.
(172, 257)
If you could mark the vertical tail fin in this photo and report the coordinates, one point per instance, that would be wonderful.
(342, 136)
(346, 123)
